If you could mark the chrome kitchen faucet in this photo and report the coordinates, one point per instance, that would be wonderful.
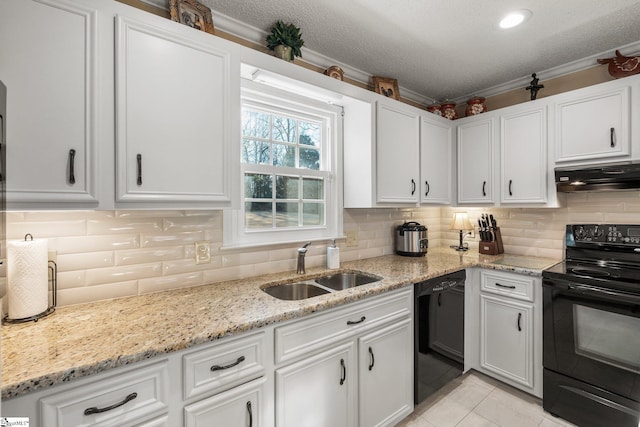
(301, 253)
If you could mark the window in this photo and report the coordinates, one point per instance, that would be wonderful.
(289, 170)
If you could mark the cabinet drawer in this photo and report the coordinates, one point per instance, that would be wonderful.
(316, 332)
(238, 407)
(518, 287)
(223, 365)
(125, 399)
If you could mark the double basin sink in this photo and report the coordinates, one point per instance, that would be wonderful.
(320, 285)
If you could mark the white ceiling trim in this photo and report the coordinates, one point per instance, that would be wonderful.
(551, 73)
(256, 35)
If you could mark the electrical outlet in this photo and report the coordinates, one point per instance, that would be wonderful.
(472, 233)
(203, 252)
(352, 238)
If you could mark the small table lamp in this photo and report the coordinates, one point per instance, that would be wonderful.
(460, 222)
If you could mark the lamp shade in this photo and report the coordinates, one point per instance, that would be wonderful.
(460, 222)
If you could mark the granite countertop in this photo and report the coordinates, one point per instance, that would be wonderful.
(81, 340)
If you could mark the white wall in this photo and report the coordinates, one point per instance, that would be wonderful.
(113, 254)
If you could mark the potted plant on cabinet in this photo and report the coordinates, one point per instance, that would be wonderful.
(285, 40)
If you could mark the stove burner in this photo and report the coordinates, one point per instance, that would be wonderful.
(589, 272)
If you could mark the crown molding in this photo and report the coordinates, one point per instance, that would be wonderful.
(551, 73)
(255, 35)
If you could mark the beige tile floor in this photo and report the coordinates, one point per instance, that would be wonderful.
(475, 400)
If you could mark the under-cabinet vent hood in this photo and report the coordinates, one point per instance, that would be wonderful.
(619, 176)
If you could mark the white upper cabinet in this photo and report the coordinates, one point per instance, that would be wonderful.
(476, 161)
(173, 115)
(523, 149)
(435, 161)
(397, 153)
(49, 63)
(594, 124)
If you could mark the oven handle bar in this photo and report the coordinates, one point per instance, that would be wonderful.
(595, 290)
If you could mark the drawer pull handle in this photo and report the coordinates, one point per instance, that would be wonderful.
(231, 365)
(355, 322)
(510, 184)
(505, 286)
(344, 372)
(250, 413)
(484, 186)
(519, 318)
(413, 187)
(373, 359)
(72, 160)
(428, 188)
(96, 410)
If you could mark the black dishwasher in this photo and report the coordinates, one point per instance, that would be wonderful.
(439, 333)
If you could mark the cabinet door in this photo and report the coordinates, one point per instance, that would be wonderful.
(523, 137)
(594, 126)
(50, 70)
(397, 153)
(506, 338)
(172, 109)
(318, 391)
(435, 162)
(475, 162)
(238, 407)
(386, 375)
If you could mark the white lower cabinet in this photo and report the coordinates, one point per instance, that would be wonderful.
(345, 367)
(503, 327)
(385, 387)
(506, 338)
(318, 391)
(352, 366)
(239, 407)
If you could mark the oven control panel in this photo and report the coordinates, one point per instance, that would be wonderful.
(618, 234)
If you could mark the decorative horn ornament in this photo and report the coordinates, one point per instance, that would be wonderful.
(622, 66)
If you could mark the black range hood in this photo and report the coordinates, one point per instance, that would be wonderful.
(618, 176)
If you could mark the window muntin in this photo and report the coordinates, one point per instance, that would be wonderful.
(283, 165)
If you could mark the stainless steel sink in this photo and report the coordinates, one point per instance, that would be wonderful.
(319, 286)
(346, 280)
(295, 291)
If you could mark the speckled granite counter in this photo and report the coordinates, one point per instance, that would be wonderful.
(86, 339)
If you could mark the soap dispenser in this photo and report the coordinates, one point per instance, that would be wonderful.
(333, 255)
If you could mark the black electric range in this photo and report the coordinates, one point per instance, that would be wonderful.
(591, 327)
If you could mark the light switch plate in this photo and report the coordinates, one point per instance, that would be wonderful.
(203, 252)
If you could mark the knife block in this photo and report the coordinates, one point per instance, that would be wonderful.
(492, 247)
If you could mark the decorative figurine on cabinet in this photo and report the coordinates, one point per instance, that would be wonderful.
(622, 66)
(534, 87)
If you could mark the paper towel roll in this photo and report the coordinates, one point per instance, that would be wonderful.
(27, 278)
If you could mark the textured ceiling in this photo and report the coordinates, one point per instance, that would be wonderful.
(448, 48)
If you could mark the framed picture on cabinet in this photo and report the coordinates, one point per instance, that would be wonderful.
(192, 13)
(386, 86)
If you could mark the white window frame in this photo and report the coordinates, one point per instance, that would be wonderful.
(289, 104)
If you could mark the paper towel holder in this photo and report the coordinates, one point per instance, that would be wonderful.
(53, 269)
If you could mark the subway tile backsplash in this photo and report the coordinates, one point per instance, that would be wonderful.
(113, 254)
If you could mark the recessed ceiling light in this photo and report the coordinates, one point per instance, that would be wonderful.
(514, 19)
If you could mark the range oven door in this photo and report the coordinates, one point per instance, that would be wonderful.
(592, 334)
